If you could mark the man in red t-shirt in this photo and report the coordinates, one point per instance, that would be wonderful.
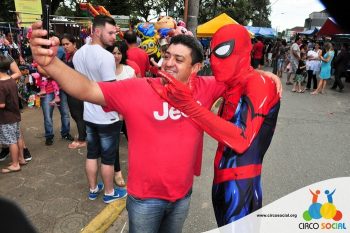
(165, 146)
(257, 53)
(134, 53)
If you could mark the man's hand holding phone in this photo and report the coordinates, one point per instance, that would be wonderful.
(46, 17)
(43, 50)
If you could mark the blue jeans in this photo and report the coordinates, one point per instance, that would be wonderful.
(157, 215)
(103, 141)
(48, 111)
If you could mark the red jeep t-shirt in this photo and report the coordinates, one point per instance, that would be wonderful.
(165, 147)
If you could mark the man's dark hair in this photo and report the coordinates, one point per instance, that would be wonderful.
(101, 20)
(191, 43)
(130, 37)
(5, 63)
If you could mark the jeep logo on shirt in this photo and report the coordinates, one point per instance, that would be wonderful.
(171, 113)
(167, 112)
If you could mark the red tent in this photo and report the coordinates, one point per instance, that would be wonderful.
(329, 28)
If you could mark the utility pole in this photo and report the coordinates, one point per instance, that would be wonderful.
(192, 15)
(186, 11)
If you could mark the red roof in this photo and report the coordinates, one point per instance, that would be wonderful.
(297, 29)
(330, 28)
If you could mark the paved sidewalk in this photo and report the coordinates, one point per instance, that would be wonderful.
(52, 189)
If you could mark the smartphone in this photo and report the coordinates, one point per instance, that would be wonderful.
(46, 16)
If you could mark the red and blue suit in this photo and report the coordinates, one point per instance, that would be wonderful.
(250, 105)
(244, 126)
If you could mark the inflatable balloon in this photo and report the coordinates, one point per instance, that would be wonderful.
(151, 48)
(145, 30)
(165, 22)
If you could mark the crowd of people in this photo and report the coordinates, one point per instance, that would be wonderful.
(305, 61)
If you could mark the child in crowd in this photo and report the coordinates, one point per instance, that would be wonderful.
(10, 117)
(163, 48)
(300, 74)
(23, 85)
(43, 84)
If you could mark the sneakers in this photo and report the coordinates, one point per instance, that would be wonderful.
(94, 195)
(68, 137)
(26, 154)
(118, 193)
(4, 153)
(49, 141)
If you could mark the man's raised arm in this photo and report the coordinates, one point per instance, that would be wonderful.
(71, 81)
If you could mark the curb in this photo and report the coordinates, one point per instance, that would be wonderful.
(105, 218)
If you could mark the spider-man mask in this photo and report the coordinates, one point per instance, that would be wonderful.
(230, 53)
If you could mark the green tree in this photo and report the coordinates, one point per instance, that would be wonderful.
(67, 8)
(114, 7)
(5, 7)
(143, 8)
(243, 11)
(54, 4)
(261, 12)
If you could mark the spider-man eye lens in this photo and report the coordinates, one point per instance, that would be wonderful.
(224, 49)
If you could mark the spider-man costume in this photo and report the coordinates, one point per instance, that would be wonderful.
(252, 106)
(244, 131)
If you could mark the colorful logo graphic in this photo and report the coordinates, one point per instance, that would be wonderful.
(326, 210)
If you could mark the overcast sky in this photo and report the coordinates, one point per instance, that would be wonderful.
(287, 14)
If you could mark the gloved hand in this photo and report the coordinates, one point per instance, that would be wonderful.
(173, 91)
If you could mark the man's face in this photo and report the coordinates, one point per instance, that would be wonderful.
(177, 62)
(9, 37)
(107, 34)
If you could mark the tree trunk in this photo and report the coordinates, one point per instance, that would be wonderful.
(192, 17)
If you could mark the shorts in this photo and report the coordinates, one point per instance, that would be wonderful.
(9, 133)
(269, 56)
(256, 62)
(280, 63)
(102, 141)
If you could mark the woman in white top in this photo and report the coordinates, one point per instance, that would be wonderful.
(313, 66)
(123, 71)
